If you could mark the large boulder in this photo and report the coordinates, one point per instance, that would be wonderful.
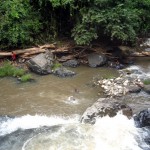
(42, 63)
(143, 118)
(103, 107)
(96, 60)
(63, 72)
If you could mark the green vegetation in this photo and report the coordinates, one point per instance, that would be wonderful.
(26, 21)
(110, 76)
(56, 65)
(26, 77)
(8, 70)
(19, 23)
(146, 81)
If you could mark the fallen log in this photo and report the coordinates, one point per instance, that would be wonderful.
(47, 46)
(33, 52)
(22, 51)
(142, 54)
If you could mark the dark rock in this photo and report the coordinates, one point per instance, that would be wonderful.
(115, 65)
(63, 72)
(121, 53)
(96, 60)
(147, 88)
(42, 63)
(134, 89)
(143, 118)
(103, 107)
(71, 63)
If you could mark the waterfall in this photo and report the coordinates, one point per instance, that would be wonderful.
(60, 133)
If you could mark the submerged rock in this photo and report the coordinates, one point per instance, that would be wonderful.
(103, 107)
(71, 63)
(63, 72)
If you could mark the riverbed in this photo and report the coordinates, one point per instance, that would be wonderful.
(42, 115)
(49, 95)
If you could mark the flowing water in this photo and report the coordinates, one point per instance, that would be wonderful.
(42, 116)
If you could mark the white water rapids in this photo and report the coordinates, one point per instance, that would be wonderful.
(117, 133)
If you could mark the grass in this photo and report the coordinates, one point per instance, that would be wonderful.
(146, 81)
(8, 70)
(56, 65)
(110, 76)
(26, 77)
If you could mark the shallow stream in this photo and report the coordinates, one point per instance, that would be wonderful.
(43, 117)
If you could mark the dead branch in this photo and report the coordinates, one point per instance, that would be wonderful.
(142, 54)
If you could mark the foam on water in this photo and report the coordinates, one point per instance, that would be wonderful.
(139, 72)
(117, 133)
(29, 122)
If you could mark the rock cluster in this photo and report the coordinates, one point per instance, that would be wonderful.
(43, 64)
(120, 86)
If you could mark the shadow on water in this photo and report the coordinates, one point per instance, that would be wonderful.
(16, 140)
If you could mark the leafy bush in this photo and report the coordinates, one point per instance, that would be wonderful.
(18, 23)
(85, 20)
(119, 20)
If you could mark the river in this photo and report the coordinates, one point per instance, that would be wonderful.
(40, 115)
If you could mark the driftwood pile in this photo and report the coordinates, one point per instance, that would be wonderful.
(63, 53)
(68, 52)
(29, 52)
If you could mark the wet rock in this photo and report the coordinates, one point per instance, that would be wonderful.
(71, 63)
(42, 63)
(96, 60)
(143, 118)
(134, 89)
(147, 49)
(63, 72)
(147, 88)
(103, 107)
